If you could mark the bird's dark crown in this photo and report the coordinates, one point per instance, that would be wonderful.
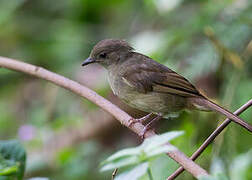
(110, 45)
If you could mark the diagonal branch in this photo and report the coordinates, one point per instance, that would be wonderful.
(210, 139)
(87, 93)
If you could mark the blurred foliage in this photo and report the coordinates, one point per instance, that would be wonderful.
(140, 156)
(217, 177)
(12, 160)
(59, 34)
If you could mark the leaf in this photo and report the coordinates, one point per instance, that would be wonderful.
(156, 141)
(6, 171)
(120, 163)
(135, 173)
(124, 152)
(12, 158)
(160, 150)
(151, 147)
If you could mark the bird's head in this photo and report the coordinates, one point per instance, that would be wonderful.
(107, 52)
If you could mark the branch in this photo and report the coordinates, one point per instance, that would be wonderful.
(87, 93)
(210, 139)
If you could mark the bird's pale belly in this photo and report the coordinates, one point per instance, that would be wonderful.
(158, 103)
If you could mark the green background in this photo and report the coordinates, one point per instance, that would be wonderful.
(66, 137)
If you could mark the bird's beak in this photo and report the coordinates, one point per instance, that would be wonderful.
(88, 61)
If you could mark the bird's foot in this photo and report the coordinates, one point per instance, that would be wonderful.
(140, 120)
(142, 134)
(149, 126)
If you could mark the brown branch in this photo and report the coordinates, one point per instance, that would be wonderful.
(210, 139)
(87, 93)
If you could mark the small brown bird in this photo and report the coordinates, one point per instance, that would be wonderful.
(149, 86)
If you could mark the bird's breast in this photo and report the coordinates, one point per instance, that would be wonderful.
(118, 86)
(113, 83)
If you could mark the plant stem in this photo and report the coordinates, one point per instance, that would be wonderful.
(149, 173)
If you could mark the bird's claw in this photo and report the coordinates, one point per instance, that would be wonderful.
(145, 129)
(149, 126)
(140, 120)
(132, 121)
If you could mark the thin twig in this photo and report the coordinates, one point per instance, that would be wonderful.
(210, 139)
(87, 93)
(114, 173)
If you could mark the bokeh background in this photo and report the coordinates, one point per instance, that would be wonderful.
(66, 137)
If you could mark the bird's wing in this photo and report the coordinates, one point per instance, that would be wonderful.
(158, 78)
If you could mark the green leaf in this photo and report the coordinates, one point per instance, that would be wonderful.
(151, 147)
(160, 150)
(124, 153)
(154, 142)
(6, 171)
(120, 163)
(12, 159)
(134, 173)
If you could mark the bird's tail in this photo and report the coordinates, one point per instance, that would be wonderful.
(205, 104)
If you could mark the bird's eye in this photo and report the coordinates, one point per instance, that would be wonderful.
(103, 55)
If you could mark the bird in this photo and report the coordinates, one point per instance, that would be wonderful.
(147, 85)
